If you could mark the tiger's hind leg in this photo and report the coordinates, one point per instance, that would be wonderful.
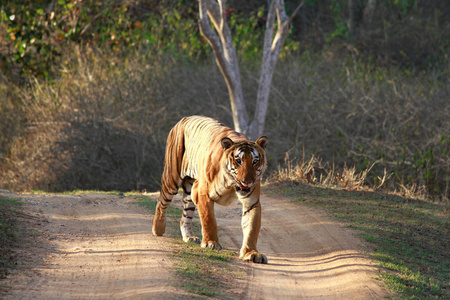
(164, 200)
(170, 179)
(159, 222)
(188, 212)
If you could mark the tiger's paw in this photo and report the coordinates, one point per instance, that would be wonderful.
(159, 227)
(254, 256)
(192, 239)
(212, 245)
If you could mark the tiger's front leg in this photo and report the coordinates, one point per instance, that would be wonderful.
(251, 225)
(188, 213)
(206, 213)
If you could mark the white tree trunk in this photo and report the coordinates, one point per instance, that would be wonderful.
(226, 59)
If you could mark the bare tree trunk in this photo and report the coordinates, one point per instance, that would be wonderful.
(272, 49)
(369, 11)
(226, 59)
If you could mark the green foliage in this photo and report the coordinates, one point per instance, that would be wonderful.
(170, 33)
(340, 30)
(248, 35)
(37, 40)
(405, 5)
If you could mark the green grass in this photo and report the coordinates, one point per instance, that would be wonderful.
(8, 213)
(205, 272)
(79, 192)
(410, 238)
(201, 271)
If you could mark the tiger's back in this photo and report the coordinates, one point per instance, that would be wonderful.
(201, 135)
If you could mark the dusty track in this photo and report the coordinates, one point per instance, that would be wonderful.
(310, 257)
(100, 246)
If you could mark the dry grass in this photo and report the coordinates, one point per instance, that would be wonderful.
(351, 115)
(313, 171)
(103, 124)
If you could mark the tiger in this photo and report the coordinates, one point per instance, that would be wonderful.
(213, 164)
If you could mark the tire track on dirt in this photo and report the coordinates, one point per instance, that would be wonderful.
(310, 256)
(102, 248)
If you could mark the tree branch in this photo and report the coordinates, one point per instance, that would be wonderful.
(226, 57)
(271, 52)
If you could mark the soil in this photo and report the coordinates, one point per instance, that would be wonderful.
(100, 246)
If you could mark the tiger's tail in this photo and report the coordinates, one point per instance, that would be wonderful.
(170, 179)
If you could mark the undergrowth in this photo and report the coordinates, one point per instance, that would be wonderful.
(314, 171)
(89, 90)
(8, 213)
(104, 126)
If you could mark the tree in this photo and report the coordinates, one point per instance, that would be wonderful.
(360, 14)
(226, 58)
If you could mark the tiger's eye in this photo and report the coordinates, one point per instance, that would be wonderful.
(238, 161)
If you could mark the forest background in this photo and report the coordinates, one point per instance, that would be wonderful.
(90, 89)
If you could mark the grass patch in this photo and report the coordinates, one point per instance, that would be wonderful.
(80, 192)
(205, 272)
(8, 214)
(410, 237)
(202, 272)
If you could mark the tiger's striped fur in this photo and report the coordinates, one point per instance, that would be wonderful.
(213, 164)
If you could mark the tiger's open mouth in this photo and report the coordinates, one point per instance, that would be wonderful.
(242, 189)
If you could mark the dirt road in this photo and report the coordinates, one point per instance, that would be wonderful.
(100, 246)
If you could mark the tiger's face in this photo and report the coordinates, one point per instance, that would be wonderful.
(245, 162)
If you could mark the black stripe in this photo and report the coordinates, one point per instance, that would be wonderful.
(252, 207)
(189, 208)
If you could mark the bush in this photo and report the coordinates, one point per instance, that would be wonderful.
(354, 115)
(104, 124)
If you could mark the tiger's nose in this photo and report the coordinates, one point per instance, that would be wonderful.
(246, 183)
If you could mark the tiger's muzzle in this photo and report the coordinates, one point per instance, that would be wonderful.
(244, 188)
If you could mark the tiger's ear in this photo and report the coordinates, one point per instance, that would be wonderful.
(226, 143)
(262, 141)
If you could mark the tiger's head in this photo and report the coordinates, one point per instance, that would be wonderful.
(245, 162)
